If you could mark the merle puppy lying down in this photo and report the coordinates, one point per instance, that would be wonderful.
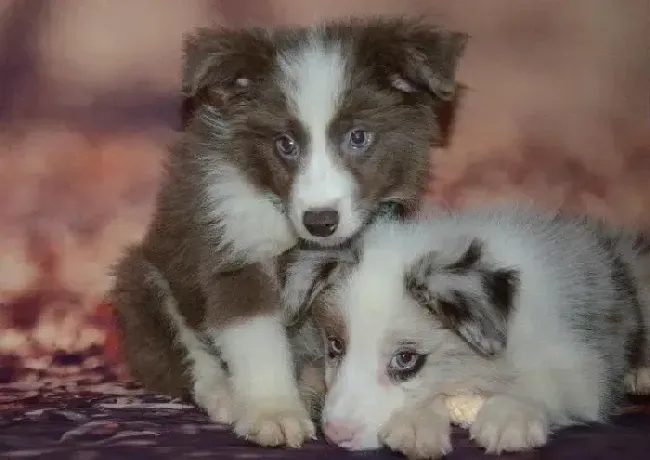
(542, 313)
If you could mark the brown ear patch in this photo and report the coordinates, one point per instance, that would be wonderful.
(412, 55)
(446, 114)
(432, 59)
(225, 58)
(221, 64)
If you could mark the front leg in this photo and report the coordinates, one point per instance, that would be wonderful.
(245, 320)
(637, 380)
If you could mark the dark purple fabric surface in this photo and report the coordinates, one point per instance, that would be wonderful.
(72, 407)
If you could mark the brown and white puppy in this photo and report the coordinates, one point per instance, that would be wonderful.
(293, 134)
(541, 313)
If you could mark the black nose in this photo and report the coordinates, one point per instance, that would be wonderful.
(321, 222)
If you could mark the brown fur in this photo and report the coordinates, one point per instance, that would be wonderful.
(231, 70)
(329, 321)
(137, 296)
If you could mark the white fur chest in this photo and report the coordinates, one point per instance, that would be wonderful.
(251, 226)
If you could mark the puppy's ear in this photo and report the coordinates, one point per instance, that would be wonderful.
(466, 295)
(218, 63)
(416, 56)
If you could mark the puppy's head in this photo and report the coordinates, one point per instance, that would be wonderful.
(399, 329)
(325, 122)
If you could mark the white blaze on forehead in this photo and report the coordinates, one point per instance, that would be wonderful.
(372, 300)
(314, 78)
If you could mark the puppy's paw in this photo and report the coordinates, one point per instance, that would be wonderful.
(418, 434)
(272, 424)
(220, 406)
(507, 424)
(217, 400)
(637, 381)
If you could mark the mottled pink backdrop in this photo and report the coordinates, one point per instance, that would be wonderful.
(557, 110)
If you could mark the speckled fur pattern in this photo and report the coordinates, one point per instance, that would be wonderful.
(543, 313)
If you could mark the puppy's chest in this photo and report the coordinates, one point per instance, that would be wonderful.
(248, 225)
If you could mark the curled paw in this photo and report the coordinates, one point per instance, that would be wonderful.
(507, 424)
(272, 425)
(418, 434)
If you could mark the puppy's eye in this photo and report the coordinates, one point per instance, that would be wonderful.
(405, 364)
(357, 140)
(404, 360)
(286, 146)
(334, 347)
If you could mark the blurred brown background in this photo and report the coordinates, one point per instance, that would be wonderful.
(557, 110)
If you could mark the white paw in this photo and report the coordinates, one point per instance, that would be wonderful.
(271, 424)
(637, 381)
(216, 400)
(418, 434)
(220, 407)
(507, 424)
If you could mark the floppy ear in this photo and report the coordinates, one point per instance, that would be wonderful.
(415, 55)
(466, 295)
(431, 60)
(219, 63)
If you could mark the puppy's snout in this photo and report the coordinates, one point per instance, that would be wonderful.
(321, 222)
(339, 433)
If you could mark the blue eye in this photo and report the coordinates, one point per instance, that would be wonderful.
(405, 360)
(286, 146)
(405, 364)
(358, 139)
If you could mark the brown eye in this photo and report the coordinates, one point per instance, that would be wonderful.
(286, 146)
(334, 347)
